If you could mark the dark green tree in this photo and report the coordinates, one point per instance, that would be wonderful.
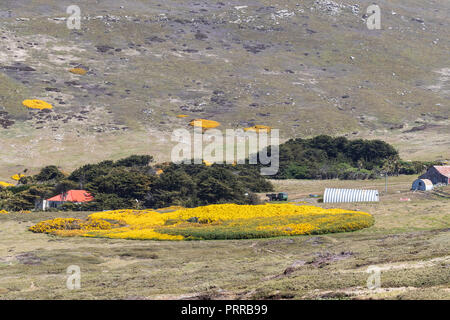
(49, 173)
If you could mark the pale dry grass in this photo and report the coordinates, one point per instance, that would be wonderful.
(303, 188)
(410, 240)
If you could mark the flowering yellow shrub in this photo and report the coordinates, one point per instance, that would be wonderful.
(37, 104)
(17, 177)
(168, 209)
(159, 171)
(203, 123)
(182, 116)
(258, 128)
(5, 184)
(291, 229)
(79, 71)
(76, 226)
(221, 221)
(21, 211)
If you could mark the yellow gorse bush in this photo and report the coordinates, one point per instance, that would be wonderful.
(75, 226)
(258, 128)
(182, 116)
(207, 163)
(79, 71)
(203, 123)
(5, 184)
(37, 104)
(20, 212)
(168, 209)
(221, 221)
(291, 228)
(17, 176)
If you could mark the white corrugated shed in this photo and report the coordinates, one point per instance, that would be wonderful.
(332, 195)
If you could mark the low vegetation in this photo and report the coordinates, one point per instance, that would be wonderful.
(133, 183)
(225, 221)
(36, 104)
(408, 241)
(326, 157)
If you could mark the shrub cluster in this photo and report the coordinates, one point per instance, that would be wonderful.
(220, 221)
(326, 157)
(133, 183)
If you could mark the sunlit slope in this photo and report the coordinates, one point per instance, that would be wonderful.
(306, 68)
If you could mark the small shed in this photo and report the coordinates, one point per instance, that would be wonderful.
(422, 184)
(333, 195)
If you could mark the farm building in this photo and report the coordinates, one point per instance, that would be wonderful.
(422, 184)
(350, 195)
(74, 196)
(437, 175)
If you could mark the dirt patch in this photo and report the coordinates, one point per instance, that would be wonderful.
(18, 67)
(28, 258)
(360, 293)
(296, 265)
(324, 259)
(315, 241)
(135, 298)
(422, 128)
(5, 120)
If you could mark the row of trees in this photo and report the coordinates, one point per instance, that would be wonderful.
(132, 183)
(326, 157)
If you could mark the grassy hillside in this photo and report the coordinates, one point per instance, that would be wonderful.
(408, 242)
(304, 67)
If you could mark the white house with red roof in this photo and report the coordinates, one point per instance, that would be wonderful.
(74, 196)
(437, 175)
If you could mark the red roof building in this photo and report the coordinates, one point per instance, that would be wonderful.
(444, 170)
(73, 196)
(437, 175)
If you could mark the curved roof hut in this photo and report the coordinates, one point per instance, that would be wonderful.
(332, 195)
(422, 184)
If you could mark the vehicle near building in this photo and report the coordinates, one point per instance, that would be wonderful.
(281, 196)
